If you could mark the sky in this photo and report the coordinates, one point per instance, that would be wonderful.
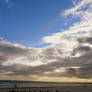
(46, 40)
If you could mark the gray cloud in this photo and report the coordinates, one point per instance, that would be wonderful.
(51, 58)
(85, 40)
(9, 51)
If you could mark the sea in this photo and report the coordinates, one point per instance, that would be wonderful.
(26, 83)
(38, 83)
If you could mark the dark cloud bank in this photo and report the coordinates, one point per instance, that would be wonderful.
(51, 58)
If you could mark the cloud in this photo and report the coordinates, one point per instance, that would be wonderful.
(78, 30)
(1, 39)
(9, 3)
(74, 2)
(79, 8)
(6, 1)
(76, 41)
(53, 64)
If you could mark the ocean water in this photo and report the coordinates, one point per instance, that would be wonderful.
(34, 84)
(26, 83)
(3, 83)
(11, 83)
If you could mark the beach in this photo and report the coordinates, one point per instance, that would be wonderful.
(69, 88)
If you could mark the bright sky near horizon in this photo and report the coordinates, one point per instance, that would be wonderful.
(46, 40)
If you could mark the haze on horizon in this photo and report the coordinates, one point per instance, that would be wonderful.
(46, 40)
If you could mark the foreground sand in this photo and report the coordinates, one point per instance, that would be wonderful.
(46, 89)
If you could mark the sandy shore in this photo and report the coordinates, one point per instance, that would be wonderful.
(46, 89)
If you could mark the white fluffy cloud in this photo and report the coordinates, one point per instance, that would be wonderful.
(83, 28)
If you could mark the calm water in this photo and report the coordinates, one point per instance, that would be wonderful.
(11, 83)
(2, 83)
(26, 83)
